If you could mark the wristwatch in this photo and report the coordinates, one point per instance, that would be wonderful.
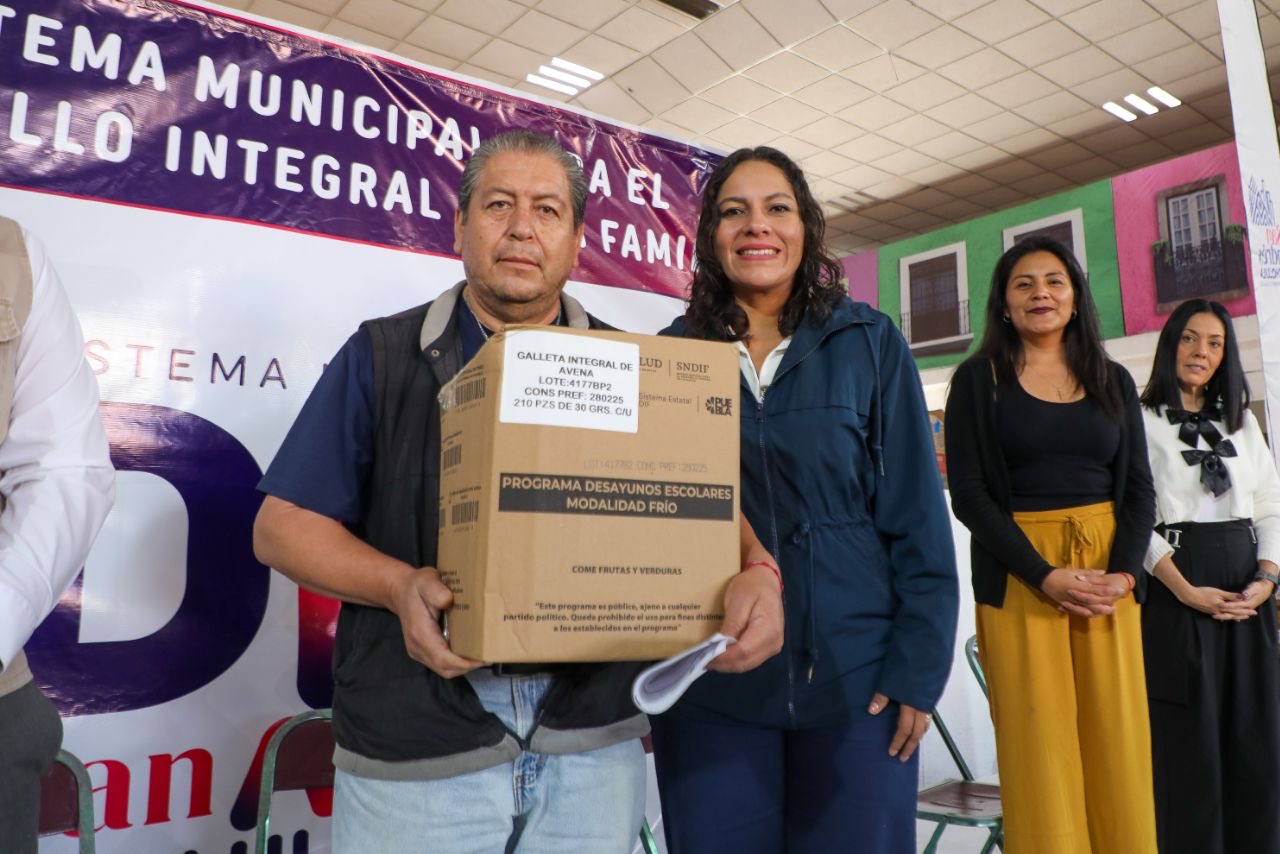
(1263, 575)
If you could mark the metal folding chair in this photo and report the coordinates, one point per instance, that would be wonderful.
(66, 800)
(962, 802)
(648, 844)
(298, 756)
(971, 655)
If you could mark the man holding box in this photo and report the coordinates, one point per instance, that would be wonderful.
(435, 751)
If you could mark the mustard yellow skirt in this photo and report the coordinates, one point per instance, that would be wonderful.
(1069, 703)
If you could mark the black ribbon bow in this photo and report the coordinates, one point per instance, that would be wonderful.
(1193, 425)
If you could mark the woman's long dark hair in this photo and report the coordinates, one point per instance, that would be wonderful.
(1227, 387)
(712, 311)
(1081, 339)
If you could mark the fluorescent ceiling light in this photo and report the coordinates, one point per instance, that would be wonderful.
(575, 68)
(1163, 97)
(1141, 103)
(563, 76)
(1118, 111)
(550, 84)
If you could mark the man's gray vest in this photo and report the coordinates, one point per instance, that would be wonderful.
(15, 305)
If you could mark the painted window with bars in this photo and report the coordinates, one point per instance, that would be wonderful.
(935, 301)
(1197, 255)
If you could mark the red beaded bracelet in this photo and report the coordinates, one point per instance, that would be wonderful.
(775, 569)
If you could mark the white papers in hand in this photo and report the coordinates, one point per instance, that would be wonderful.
(658, 687)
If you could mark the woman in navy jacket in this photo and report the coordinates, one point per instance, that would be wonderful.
(814, 751)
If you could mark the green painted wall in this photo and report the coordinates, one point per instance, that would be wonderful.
(984, 243)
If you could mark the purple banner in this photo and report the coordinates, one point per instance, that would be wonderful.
(180, 108)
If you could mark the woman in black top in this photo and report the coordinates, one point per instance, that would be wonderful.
(1047, 466)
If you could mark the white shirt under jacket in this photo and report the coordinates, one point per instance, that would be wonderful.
(56, 478)
(1254, 492)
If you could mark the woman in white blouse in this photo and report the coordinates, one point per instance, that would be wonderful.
(1209, 629)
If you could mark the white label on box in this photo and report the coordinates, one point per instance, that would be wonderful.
(570, 381)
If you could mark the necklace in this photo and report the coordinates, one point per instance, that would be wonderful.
(484, 330)
(1056, 388)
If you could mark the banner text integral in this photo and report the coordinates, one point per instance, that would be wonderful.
(609, 496)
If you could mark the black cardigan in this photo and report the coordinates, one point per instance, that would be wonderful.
(982, 499)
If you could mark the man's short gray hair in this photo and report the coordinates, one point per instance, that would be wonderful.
(527, 142)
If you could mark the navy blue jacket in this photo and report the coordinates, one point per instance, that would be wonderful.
(840, 482)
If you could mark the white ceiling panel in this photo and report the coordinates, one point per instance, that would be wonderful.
(699, 116)
(827, 163)
(426, 57)
(742, 133)
(289, 13)
(385, 17)
(882, 72)
(692, 62)
(965, 110)
(905, 162)
(796, 149)
(331, 7)
(981, 68)
(914, 130)
(442, 36)
(987, 102)
(785, 72)
(651, 85)
(609, 99)
(602, 54)
(875, 112)
(927, 90)
(1051, 107)
(492, 16)
(543, 33)
(1198, 20)
(737, 37)
(837, 48)
(507, 58)
(741, 95)
(1177, 63)
(360, 35)
(828, 132)
(1021, 88)
(790, 22)
(588, 14)
(1106, 18)
(940, 46)
(950, 9)
(893, 23)
(950, 145)
(832, 94)
(1043, 43)
(1145, 42)
(998, 128)
(640, 29)
(868, 148)
(786, 114)
(1001, 19)
(1088, 63)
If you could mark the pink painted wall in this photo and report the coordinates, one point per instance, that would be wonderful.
(1138, 226)
(863, 274)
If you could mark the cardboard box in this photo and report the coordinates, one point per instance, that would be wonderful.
(588, 495)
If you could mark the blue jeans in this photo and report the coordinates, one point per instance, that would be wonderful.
(590, 802)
